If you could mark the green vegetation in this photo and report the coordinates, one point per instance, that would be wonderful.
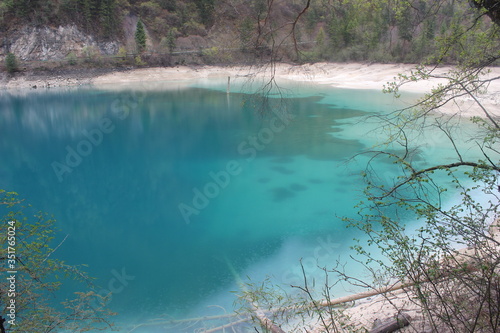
(206, 10)
(140, 37)
(27, 238)
(71, 58)
(411, 31)
(11, 63)
(138, 61)
(99, 17)
(169, 40)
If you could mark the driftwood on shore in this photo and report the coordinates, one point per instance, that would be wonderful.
(261, 314)
(361, 295)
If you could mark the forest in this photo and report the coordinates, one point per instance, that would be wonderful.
(236, 31)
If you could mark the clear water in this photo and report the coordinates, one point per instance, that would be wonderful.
(165, 189)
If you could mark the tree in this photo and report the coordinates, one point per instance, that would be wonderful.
(206, 10)
(405, 24)
(170, 5)
(246, 33)
(140, 37)
(107, 17)
(22, 8)
(491, 7)
(171, 38)
(11, 63)
(457, 290)
(320, 44)
(87, 8)
(34, 275)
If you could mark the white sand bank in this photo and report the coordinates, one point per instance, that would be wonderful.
(341, 75)
(349, 75)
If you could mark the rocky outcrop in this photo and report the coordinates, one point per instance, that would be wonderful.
(51, 43)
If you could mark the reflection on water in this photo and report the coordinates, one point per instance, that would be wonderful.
(114, 166)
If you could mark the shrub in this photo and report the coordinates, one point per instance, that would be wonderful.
(139, 61)
(169, 42)
(150, 9)
(194, 28)
(11, 63)
(71, 58)
(91, 54)
(211, 55)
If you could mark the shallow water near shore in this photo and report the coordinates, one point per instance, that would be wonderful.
(172, 195)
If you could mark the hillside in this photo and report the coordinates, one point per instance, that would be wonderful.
(102, 33)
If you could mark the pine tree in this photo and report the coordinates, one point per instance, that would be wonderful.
(11, 63)
(106, 17)
(246, 32)
(206, 10)
(140, 37)
(171, 40)
(86, 12)
(405, 24)
(22, 8)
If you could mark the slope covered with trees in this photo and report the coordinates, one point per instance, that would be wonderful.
(232, 31)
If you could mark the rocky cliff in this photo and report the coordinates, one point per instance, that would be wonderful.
(53, 43)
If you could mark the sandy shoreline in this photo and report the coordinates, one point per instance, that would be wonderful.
(340, 75)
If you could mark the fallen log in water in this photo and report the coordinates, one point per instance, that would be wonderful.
(176, 322)
(260, 314)
(220, 328)
(265, 322)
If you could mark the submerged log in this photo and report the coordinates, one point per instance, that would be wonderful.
(265, 322)
(392, 324)
(223, 327)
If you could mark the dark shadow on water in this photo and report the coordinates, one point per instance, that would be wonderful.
(298, 187)
(283, 170)
(282, 160)
(281, 194)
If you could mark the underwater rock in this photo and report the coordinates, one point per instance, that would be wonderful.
(281, 193)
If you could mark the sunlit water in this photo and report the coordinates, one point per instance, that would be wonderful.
(170, 194)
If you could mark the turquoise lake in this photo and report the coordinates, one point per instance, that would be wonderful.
(166, 189)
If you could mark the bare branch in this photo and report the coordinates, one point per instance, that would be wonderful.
(415, 174)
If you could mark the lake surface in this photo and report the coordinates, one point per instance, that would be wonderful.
(171, 192)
